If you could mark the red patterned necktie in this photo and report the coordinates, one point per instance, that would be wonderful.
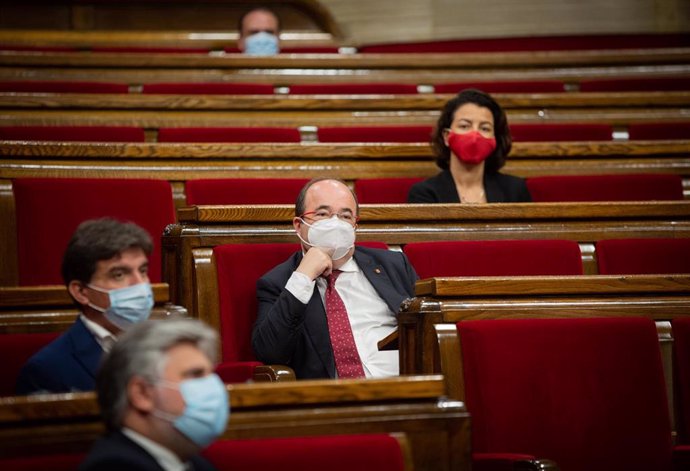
(347, 361)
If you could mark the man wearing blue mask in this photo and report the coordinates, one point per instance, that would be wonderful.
(159, 398)
(323, 311)
(259, 32)
(105, 268)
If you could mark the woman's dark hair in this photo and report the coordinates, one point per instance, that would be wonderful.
(503, 140)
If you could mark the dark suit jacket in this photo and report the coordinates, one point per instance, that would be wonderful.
(68, 363)
(116, 452)
(500, 188)
(290, 333)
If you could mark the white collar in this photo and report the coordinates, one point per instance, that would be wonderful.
(165, 458)
(103, 336)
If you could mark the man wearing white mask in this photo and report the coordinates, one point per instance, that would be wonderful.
(105, 268)
(323, 311)
(259, 31)
(160, 400)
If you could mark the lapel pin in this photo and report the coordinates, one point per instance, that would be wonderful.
(377, 271)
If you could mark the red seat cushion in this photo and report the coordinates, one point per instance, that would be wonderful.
(564, 389)
(372, 452)
(244, 190)
(236, 371)
(384, 190)
(62, 87)
(54, 462)
(512, 86)
(229, 134)
(643, 256)
(624, 187)
(209, 88)
(375, 134)
(635, 84)
(73, 133)
(16, 349)
(652, 131)
(561, 132)
(353, 89)
(50, 209)
(495, 258)
(239, 268)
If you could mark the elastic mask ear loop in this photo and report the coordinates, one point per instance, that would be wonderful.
(161, 414)
(100, 290)
(300, 237)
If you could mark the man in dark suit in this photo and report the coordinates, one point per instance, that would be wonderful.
(293, 327)
(105, 269)
(160, 399)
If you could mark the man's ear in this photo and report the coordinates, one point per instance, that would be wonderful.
(296, 223)
(140, 394)
(78, 291)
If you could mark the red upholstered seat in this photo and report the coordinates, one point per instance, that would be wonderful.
(210, 88)
(653, 131)
(375, 134)
(239, 267)
(635, 84)
(236, 371)
(244, 190)
(16, 349)
(623, 187)
(588, 393)
(353, 89)
(152, 50)
(54, 462)
(509, 86)
(384, 190)
(50, 209)
(229, 134)
(309, 50)
(643, 256)
(561, 132)
(73, 133)
(681, 375)
(371, 452)
(62, 87)
(495, 258)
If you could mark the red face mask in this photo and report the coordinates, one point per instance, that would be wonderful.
(471, 147)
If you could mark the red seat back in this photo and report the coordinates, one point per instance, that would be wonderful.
(209, 88)
(681, 382)
(229, 134)
(564, 389)
(244, 190)
(239, 267)
(506, 86)
(353, 89)
(623, 187)
(73, 133)
(643, 256)
(16, 349)
(636, 84)
(62, 87)
(50, 209)
(655, 131)
(384, 190)
(54, 462)
(151, 50)
(561, 132)
(371, 452)
(495, 258)
(375, 134)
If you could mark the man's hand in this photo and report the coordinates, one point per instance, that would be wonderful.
(316, 262)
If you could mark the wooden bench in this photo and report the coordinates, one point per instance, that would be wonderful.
(202, 227)
(437, 429)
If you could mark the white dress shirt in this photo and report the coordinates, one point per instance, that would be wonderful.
(165, 458)
(369, 315)
(103, 336)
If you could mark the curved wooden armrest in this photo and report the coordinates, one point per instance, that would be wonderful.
(266, 373)
(536, 465)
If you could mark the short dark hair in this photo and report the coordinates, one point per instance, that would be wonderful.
(501, 131)
(100, 239)
(299, 204)
(240, 22)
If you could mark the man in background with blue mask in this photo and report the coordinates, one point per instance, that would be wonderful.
(159, 398)
(259, 31)
(323, 311)
(105, 269)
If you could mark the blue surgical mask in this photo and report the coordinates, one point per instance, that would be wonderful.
(128, 305)
(206, 409)
(261, 44)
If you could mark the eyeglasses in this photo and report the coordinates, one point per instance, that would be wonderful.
(322, 214)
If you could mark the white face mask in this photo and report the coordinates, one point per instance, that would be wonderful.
(331, 234)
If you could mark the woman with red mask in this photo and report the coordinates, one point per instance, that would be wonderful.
(471, 141)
